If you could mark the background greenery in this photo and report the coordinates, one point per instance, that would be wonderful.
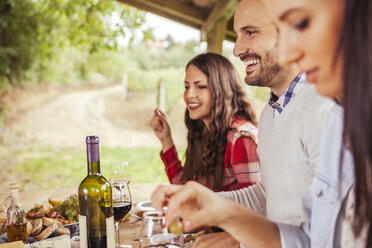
(84, 42)
(68, 167)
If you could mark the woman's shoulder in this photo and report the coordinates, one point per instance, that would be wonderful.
(242, 127)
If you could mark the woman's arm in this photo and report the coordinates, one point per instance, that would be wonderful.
(245, 162)
(172, 164)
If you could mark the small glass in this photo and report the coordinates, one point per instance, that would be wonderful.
(121, 196)
(154, 233)
(16, 225)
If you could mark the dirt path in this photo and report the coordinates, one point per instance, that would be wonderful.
(62, 117)
(65, 118)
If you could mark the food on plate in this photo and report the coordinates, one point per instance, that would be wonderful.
(49, 230)
(36, 226)
(54, 202)
(43, 223)
(175, 227)
(193, 236)
(68, 208)
(65, 212)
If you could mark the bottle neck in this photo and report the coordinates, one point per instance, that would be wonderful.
(15, 196)
(94, 167)
(93, 159)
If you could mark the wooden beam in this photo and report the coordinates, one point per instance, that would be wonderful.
(171, 9)
(216, 36)
(230, 34)
(223, 10)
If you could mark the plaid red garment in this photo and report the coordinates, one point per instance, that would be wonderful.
(241, 160)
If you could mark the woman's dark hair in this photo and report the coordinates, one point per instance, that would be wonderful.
(204, 157)
(355, 47)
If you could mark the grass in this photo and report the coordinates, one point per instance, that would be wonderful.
(45, 168)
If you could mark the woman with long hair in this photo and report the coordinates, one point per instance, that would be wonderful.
(221, 139)
(332, 42)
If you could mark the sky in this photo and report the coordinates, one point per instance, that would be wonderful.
(179, 32)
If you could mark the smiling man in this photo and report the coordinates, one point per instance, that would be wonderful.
(290, 124)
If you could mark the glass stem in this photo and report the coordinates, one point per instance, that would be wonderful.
(117, 233)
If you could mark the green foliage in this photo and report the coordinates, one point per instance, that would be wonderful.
(34, 35)
(65, 168)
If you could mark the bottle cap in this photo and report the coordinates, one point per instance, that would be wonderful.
(92, 139)
(14, 186)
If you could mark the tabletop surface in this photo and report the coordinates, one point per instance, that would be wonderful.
(129, 228)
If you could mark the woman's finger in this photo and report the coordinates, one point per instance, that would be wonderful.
(161, 195)
(185, 201)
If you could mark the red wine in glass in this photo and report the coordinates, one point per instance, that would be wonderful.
(121, 208)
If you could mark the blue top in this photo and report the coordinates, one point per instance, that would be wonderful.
(323, 199)
(279, 103)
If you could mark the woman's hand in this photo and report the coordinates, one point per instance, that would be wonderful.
(199, 206)
(195, 204)
(159, 123)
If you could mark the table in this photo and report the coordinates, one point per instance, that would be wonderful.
(130, 228)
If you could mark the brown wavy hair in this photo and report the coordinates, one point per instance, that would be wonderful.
(204, 157)
(355, 45)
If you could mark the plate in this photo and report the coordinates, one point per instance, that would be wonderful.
(145, 206)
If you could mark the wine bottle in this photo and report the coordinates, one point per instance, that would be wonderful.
(96, 216)
(16, 226)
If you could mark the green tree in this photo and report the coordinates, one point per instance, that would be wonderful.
(34, 33)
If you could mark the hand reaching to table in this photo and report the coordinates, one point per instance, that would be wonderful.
(198, 206)
(160, 126)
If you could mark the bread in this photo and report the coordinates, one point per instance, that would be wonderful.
(37, 225)
(29, 227)
(49, 221)
(49, 230)
(63, 231)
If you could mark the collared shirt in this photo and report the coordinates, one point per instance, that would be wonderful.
(241, 161)
(279, 103)
(323, 200)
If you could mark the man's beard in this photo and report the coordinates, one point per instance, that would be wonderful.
(269, 69)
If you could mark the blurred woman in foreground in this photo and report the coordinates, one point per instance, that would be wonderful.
(332, 41)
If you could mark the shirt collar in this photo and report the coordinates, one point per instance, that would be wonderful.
(278, 104)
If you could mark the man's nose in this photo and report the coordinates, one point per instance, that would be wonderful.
(240, 47)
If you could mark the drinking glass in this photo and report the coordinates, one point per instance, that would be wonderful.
(119, 171)
(121, 197)
(154, 233)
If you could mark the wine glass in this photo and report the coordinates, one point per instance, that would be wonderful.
(119, 171)
(121, 197)
(154, 232)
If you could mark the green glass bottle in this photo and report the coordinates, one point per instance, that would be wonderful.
(96, 216)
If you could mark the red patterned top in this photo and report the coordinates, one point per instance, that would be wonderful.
(241, 160)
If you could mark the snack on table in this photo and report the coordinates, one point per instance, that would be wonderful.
(36, 226)
(42, 222)
(68, 208)
(49, 230)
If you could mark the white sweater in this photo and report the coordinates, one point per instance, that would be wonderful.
(288, 148)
